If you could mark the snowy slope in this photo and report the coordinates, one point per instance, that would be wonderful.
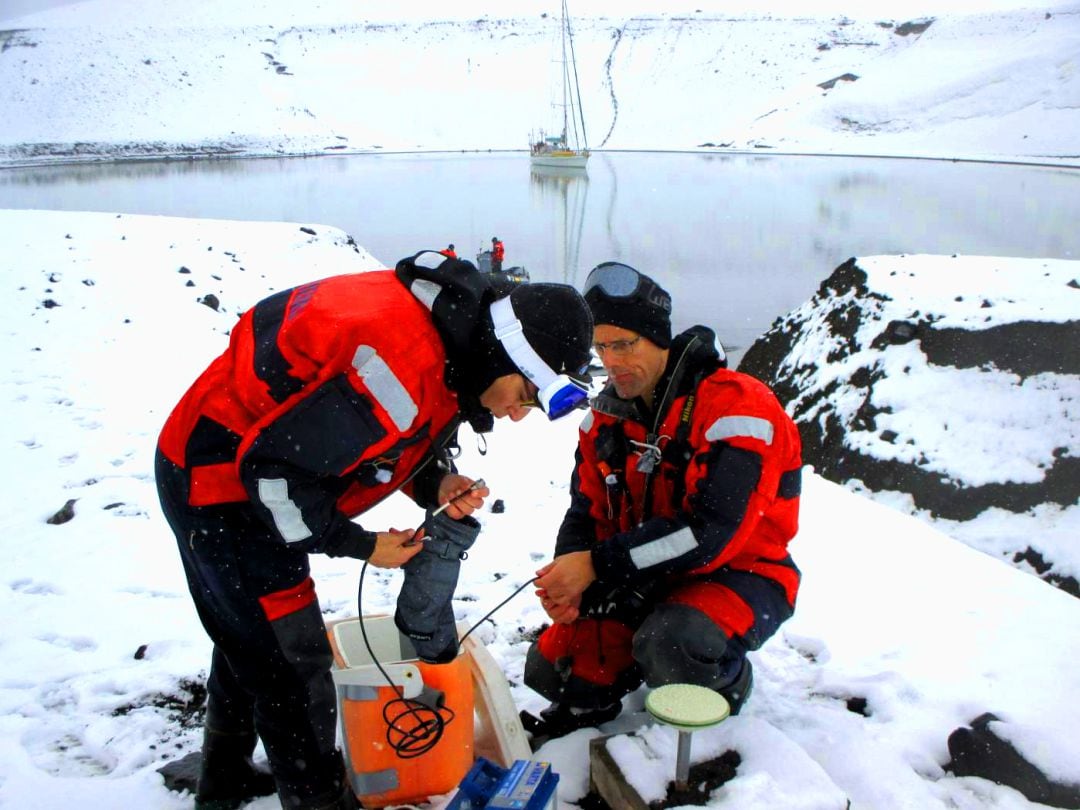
(950, 388)
(110, 78)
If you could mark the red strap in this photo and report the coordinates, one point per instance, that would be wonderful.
(725, 608)
(290, 600)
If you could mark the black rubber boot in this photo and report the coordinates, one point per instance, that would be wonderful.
(343, 799)
(739, 690)
(227, 776)
(558, 720)
(346, 801)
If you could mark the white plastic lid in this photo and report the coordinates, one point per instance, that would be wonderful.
(687, 706)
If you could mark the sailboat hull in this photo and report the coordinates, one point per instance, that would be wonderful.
(567, 159)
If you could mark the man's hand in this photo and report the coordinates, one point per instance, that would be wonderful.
(453, 485)
(561, 582)
(394, 548)
(561, 614)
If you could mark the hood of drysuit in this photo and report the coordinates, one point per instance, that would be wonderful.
(459, 297)
(553, 318)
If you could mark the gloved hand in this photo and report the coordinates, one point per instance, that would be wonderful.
(423, 611)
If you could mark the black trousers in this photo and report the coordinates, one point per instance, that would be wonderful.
(270, 668)
(665, 636)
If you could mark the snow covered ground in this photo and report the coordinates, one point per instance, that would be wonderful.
(104, 329)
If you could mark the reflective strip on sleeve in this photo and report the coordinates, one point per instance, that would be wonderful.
(385, 387)
(274, 493)
(586, 423)
(663, 549)
(729, 427)
(425, 291)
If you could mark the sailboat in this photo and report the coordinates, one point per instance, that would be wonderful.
(569, 148)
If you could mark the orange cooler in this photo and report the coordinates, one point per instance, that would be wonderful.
(380, 776)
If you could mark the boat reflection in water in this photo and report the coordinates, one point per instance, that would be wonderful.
(568, 187)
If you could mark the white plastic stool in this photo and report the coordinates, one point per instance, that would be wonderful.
(686, 708)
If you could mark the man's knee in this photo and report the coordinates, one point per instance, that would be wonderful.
(541, 675)
(679, 644)
(582, 665)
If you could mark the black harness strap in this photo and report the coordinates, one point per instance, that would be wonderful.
(611, 449)
(677, 451)
(790, 484)
(270, 364)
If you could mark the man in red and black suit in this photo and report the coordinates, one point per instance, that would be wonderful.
(672, 561)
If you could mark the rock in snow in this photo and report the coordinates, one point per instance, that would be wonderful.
(944, 380)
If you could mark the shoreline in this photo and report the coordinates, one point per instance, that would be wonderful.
(1030, 161)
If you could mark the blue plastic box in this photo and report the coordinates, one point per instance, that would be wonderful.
(525, 785)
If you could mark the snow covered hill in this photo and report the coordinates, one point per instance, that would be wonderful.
(111, 78)
(948, 387)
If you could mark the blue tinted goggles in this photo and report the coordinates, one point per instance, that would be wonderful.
(616, 280)
(557, 394)
(562, 395)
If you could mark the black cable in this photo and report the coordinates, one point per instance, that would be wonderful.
(424, 732)
(487, 615)
(429, 722)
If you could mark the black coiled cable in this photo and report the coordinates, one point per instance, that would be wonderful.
(413, 726)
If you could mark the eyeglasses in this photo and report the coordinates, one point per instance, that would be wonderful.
(621, 281)
(618, 348)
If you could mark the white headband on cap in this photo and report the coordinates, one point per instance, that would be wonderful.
(509, 332)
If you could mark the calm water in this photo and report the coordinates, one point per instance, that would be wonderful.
(737, 239)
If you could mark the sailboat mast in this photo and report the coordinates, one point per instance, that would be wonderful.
(579, 112)
(565, 74)
(570, 148)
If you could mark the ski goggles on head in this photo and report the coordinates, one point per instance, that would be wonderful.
(618, 281)
(557, 394)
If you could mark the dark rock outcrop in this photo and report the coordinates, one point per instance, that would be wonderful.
(850, 363)
(977, 750)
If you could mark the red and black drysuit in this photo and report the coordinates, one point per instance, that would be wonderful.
(330, 397)
(687, 512)
(498, 253)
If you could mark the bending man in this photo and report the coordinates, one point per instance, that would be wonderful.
(330, 397)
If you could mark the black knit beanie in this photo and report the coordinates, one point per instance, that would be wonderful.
(644, 307)
(557, 324)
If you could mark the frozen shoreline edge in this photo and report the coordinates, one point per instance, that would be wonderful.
(224, 153)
